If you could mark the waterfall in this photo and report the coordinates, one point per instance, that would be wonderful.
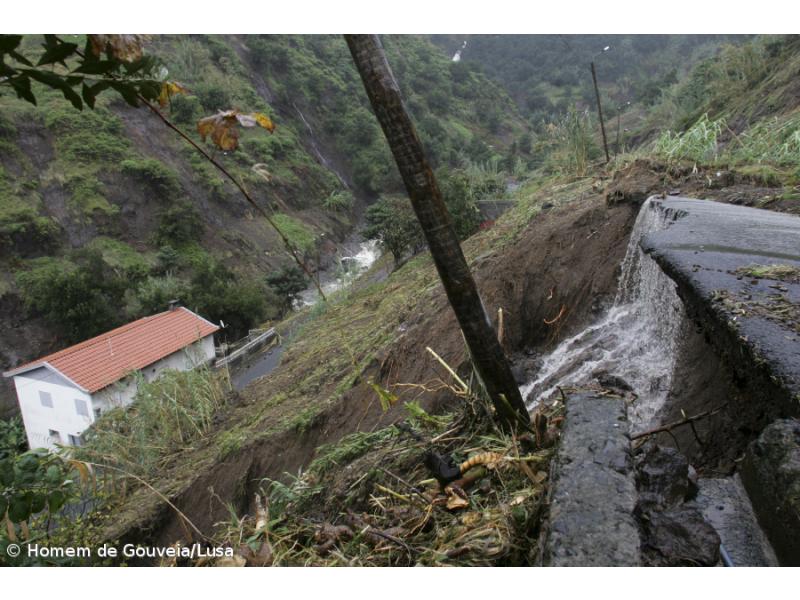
(323, 160)
(637, 340)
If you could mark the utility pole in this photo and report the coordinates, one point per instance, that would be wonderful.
(600, 112)
(487, 355)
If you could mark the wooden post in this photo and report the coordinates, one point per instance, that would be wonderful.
(488, 357)
(600, 112)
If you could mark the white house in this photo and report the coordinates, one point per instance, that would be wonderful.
(61, 394)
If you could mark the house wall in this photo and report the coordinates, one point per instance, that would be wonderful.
(122, 393)
(63, 416)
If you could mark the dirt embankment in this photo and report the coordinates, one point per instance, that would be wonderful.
(561, 268)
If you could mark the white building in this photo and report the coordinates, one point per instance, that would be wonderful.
(61, 394)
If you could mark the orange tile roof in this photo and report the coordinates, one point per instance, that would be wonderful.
(107, 358)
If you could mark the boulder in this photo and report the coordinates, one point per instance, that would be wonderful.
(771, 475)
(678, 537)
(662, 476)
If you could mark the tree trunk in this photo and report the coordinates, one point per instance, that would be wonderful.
(426, 199)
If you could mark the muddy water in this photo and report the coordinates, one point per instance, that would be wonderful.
(637, 340)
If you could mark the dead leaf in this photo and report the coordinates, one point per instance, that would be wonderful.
(127, 48)
(456, 498)
(222, 127)
(168, 90)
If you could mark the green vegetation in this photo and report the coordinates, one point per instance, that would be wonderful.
(219, 295)
(392, 221)
(162, 179)
(698, 143)
(299, 235)
(34, 486)
(287, 283)
(79, 299)
(170, 414)
(339, 201)
(178, 225)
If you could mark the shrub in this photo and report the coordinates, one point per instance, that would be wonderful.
(79, 300)
(339, 201)
(178, 224)
(287, 283)
(219, 295)
(154, 294)
(162, 179)
(185, 109)
(213, 97)
(392, 221)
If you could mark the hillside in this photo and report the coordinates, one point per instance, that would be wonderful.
(545, 74)
(559, 246)
(326, 459)
(112, 205)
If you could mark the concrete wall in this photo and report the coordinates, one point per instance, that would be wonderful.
(63, 416)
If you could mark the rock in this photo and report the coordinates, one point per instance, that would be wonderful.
(678, 537)
(771, 475)
(607, 380)
(593, 492)
(662, 476)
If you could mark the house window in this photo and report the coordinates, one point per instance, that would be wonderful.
(55, 436)
(97, 412)
(81, 408)
(74, 440)
(46, 399)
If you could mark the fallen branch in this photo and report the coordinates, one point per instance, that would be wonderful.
(685, 421)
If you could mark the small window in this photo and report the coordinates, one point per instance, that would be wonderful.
(46, 399)
(74, 440)
(97, 412)
(55, 436)
(81, 408)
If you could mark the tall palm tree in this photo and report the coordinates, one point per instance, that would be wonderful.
(487, 354)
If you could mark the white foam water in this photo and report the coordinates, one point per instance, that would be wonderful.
(348, 269)
(637, 340)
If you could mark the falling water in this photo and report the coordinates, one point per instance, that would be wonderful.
(636, 340)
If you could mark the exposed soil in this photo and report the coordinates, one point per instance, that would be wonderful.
(564, 263)
(644, 178)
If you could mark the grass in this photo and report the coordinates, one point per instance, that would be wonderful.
(299, 234)
(169, 415)
(699, 143)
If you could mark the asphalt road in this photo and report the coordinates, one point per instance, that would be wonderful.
(710, 243)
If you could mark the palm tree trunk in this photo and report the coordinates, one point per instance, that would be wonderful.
(426, 199)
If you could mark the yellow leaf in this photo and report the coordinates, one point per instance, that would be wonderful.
(168, 90)
(264, 121)
(222, 127)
